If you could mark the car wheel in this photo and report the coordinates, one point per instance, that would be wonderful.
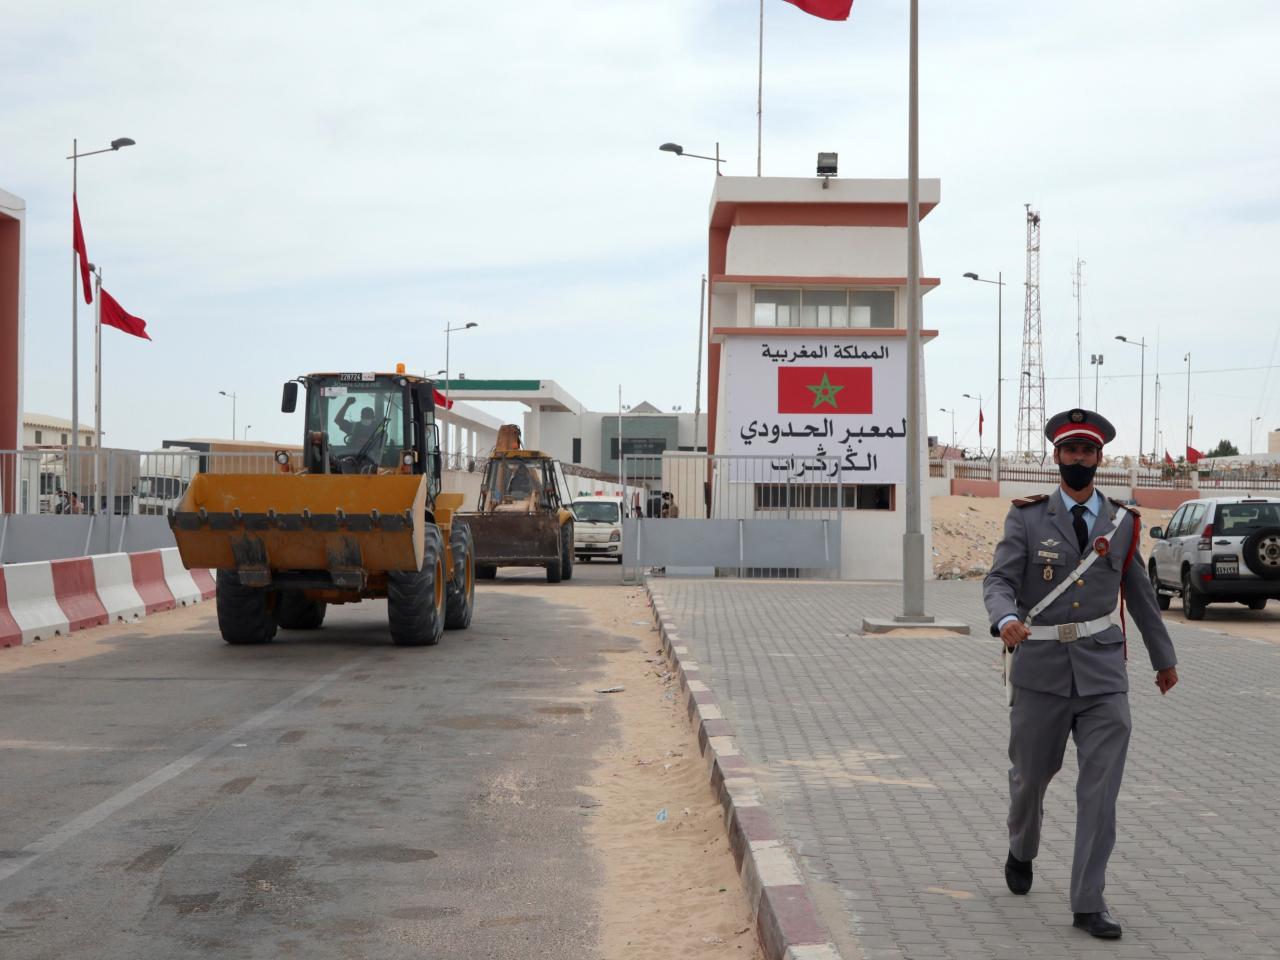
(1262, 553)
(1162, 599)
(1193, 603)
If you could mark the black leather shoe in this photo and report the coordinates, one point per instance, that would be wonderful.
(1017, 874)
(1101, 924)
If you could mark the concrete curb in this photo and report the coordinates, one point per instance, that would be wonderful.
(787, 923)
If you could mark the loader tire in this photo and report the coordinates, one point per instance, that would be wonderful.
(555, 569)
(416, 601)
(245, 614)
(566, 552)
(460, 597)
(296, 612)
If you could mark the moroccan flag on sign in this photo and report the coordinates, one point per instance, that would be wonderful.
(824, 390)
(826, 9)
(77, 244)
(114, 315)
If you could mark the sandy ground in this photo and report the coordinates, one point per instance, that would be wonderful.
(966, 530)
(672, 888)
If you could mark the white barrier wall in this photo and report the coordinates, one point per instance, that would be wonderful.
(113, 574)
(179, 579)
(32, 603)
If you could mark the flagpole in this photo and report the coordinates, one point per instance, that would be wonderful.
(913, 537)
(97, 386)
(759, 94)
(73, 465)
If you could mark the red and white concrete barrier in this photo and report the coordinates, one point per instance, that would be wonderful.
(114, 576)
(42, 600)
(32, 603)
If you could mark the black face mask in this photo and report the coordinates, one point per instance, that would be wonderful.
(1076, 475)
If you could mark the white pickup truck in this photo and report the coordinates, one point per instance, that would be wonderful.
(597, 530)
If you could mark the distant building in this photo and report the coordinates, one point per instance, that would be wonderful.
(45, 430)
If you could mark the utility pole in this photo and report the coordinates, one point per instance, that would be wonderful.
(1095, 360)
(1187, 358)
(1077, 291)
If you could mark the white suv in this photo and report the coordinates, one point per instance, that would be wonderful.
(1218, 550)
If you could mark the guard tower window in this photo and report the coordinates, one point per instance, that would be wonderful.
(577, 449)
(823, 308)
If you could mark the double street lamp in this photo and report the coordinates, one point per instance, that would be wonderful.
(999, 285)
(1142, 390)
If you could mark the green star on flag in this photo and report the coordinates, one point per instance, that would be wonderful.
(824, 392)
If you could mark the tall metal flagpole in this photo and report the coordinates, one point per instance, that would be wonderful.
(913, 537)
(73, 466)
(759, 95)
(697, 390)
(97, 388)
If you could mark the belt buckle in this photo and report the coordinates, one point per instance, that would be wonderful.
(1067, 633)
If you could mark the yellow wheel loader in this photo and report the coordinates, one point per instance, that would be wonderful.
(522, 518)
(363, 517)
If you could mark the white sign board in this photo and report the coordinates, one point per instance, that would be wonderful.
(823, 409)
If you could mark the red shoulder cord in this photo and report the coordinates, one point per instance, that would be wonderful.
(1128, 559)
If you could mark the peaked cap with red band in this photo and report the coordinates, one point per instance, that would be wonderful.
(1079, 426)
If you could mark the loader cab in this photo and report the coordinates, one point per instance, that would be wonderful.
(369, 423)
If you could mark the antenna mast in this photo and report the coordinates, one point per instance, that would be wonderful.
(1077, 290)
(1031, 442)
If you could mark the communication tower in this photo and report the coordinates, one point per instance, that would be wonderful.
(1031, 441)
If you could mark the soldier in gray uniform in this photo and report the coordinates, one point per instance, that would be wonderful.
(1067, 669)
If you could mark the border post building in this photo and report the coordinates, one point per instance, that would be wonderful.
(807, 364)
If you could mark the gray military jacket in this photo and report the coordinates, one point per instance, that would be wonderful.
(1037, 551)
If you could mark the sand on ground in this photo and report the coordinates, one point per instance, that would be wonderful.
(671, 887)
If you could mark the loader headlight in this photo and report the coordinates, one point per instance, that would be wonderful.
(408, 458)
(282, 457)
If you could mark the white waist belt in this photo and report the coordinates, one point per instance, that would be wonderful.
(1068, 632)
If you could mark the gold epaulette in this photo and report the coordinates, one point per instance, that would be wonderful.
(1027, 501)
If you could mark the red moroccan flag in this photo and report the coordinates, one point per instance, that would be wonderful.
(979, 421)
(820, 390)
(1168, 459)
(77, 244)
(1194, 455)
(826, 9)
(441, 400)
(114, 315)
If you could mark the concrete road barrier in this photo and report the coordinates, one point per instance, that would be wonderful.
(32, 601)
(119, 597)
(149, 581)
(181, 584)
(204, 580)
(10, 632)
(76, 591)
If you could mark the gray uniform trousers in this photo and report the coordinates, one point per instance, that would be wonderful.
(1039, 724)
(1078, 688)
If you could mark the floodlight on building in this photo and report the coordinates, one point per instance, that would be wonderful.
(827, 164)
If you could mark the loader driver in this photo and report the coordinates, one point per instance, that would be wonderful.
(360, 432)
(521, 483)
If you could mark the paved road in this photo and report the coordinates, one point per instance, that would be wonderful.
(326, 796)
(884, 762)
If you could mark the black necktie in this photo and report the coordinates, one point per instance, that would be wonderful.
(1077, 521)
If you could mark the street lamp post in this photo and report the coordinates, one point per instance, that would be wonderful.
(75, 293)
(1095, 361)
(1251, 423)
(999, 285)
(247, 428)
(953, 424)
(1187, 358)
(1142, 390)
(680, 151)
(233, 411)
(447, 331)
(977, 397)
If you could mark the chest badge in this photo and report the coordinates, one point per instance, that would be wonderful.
(1101, 546)
(1050, 543)
(1048, 572)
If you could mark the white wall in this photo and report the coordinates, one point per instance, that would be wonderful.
(802, 251)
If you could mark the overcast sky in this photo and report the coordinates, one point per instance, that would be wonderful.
(326, 185)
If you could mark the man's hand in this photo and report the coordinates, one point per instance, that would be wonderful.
(1013, 633)
(1166, 679)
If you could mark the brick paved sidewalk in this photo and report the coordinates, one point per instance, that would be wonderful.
(883, 762)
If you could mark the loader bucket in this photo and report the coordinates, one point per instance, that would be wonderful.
(514, 539)
(350, 526)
